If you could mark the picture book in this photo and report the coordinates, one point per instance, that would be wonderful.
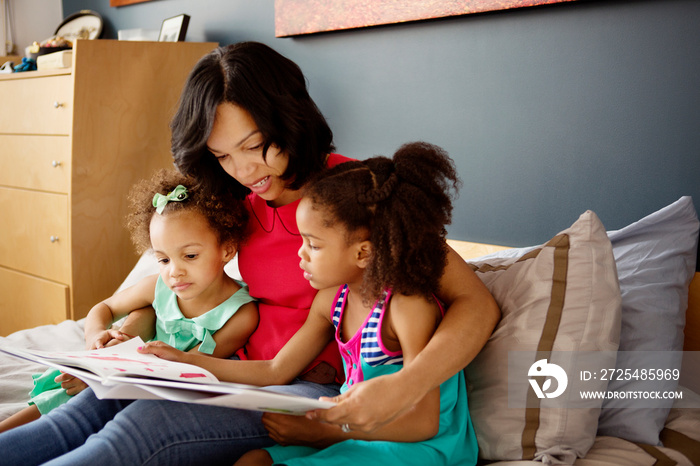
(121, 372)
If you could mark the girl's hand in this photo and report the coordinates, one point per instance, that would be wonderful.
(163, 351)
(297, 430)
(107, 338)
(367, 406)
(70, 384)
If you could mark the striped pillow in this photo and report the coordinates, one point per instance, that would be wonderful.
(560, 297)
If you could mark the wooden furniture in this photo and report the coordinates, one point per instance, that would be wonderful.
(12, 58)
(72, 143)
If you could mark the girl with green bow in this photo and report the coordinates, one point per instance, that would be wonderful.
(196, 306)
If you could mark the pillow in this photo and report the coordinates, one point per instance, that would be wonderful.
(559, 298)
(656, 259)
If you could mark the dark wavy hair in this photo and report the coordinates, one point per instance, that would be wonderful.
(273, 90)
(404, 203)
(226, 215)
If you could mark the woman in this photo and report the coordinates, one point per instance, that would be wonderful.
(246, 123)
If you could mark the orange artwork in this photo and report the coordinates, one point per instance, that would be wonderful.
(293, 17)
(125, 2)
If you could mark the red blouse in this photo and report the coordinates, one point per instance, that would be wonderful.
(269, 264)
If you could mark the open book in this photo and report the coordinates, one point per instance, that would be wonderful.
(122, 372)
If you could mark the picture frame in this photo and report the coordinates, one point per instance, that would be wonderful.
(174, 29)
(297, 17)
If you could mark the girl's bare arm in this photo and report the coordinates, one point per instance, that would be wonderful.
(297, 354)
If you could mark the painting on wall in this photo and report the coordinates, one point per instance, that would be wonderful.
(294, 17)
(125, 2)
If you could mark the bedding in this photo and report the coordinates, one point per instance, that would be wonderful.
(560, 298)
(679, 437)
(660, 251)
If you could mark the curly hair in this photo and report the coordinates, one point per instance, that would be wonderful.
(404, 203)
(272, 89)
(226, 214)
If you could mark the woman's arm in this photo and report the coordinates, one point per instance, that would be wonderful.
(471, 316)
(135, 298)
(140, 322)
(134, 301)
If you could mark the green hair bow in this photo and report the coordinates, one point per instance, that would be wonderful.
(178, 194)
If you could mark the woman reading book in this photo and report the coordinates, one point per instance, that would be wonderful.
(375, 300)
(246, 121)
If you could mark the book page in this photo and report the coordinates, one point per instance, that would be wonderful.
(228, 395)
(127, 374)
(122, 360)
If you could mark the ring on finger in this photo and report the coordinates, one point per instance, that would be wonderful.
(345, 428)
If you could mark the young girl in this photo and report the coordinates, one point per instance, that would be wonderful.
(375, 229)
(198, 307)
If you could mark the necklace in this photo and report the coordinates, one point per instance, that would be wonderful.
(275, 216)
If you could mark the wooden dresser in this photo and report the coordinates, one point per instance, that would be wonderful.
(72, 143)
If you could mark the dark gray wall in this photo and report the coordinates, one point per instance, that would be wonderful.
(548, 111)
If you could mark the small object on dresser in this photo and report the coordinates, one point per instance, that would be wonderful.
(56, 60)
(7, 67)
(174, 29)
(138, 34)
(51, 45)
(28, 64)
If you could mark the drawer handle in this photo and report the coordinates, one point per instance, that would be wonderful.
(53, 239)
(55, 163)
(57, 104)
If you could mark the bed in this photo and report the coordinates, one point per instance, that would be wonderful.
(633, 290)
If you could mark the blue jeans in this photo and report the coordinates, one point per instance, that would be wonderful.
(88, 431)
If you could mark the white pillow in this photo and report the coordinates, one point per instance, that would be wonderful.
(656, 259)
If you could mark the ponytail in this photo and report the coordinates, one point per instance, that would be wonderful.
(405, 203)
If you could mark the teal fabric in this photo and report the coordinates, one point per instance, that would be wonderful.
(177, 330)
(47, 394)
(455, 443)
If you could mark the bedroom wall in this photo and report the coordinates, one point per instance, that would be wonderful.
(548, 111)
(28, 27)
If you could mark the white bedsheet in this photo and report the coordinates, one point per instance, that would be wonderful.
(16, 374)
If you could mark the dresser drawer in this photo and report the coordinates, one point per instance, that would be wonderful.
(35, 162)
(39, 105)
(35, 233)
(29, 301)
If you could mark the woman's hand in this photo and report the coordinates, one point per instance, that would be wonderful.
(163, 351)
(70, 384)
(297, 430)
(369, 405)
